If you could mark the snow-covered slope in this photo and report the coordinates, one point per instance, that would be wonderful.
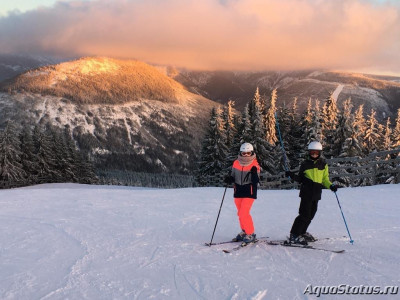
(65, 241)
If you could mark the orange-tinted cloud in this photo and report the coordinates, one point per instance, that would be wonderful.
(216, 34)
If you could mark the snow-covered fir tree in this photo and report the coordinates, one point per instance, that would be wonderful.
(318, 133)
(345, 142)
(396, 132)
(11, 169)
(244, 131)
(262, 148)
(305, 125)
(346, 134)
(72, 157)
(47, 170)
(286, 142)
(360, 126)
(294, 138)
(42, 155)
(29, 159)
(311, 126)
(237, 139)
(270, 121)
(84, 170)
(228, 119)
(63, 170)
(387, 137)
(373, 133)
(214, 153)
(329, 126)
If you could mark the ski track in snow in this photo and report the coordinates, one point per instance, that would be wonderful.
(69, 241)
(338, 90)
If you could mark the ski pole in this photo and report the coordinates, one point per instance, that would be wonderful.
(223, 197)
(281, 142)
(345, 223)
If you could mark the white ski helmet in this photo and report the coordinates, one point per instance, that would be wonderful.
(246, 147)
(315, 146)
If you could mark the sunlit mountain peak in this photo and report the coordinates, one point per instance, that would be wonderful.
(90, 66)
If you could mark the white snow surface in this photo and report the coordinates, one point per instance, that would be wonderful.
(70, 241)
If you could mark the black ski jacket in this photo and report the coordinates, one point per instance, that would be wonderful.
(313, 177)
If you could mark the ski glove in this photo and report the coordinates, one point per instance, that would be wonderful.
(333, 188)
(254, 170)
(229, 179)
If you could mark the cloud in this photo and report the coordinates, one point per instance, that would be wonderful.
(212, 34)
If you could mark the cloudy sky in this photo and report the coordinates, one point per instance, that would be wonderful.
(359, 35)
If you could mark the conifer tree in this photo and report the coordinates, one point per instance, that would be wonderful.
(284, 120)
(213, 153)
(318, 133)
(71, 156)
(329, 126)
(233, 152)
(228, 119)
(311, 126)
(244, 131)
(345, 141)
(28, 157)
(294, 139)
(262, 148)
(387, 137)
(45, 155)
(84, 169)
(11, 169)
(396, 131)
(306, 128)
(347, 135)
(360, 127)
(270, 121)
(373, 136)
(62, 169)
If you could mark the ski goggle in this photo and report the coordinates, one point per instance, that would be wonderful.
(245, 153)
(315, 152)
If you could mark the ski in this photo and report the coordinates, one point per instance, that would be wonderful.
(229, 242)
(318, 239)
(305, 247)
(242, 245)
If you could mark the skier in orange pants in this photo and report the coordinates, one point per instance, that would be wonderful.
(245, 176)
(243, 206)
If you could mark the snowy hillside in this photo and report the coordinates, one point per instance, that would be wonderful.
(378, 92)
(66, 241)
(120, 111)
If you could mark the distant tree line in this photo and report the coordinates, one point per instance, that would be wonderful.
(343, 133)
(141, 179)
(41, 155)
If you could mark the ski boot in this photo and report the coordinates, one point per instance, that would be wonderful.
(308, 237)
(239, 237)
(249, 238)
(296, 239)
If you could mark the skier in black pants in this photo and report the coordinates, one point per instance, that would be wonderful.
(313, 177)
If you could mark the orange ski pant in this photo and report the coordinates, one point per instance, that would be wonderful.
(243, 206)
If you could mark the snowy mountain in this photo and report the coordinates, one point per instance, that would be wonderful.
(133, 116)
(69, 241)
(379, 92)
(127, 114)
